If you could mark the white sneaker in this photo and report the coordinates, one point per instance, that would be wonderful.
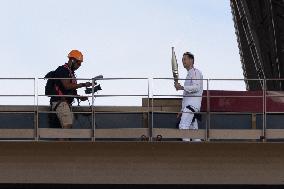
(196, 140)
(186, 139)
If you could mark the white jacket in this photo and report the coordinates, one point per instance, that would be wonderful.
(193, 89)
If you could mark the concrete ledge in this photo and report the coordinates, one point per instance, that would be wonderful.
(122, 133)
(176, 133)
(141, 163)
(17, 133)
(242, 134)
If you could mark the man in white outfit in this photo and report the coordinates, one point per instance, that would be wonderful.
(192, 94)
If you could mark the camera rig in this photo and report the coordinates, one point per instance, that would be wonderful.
(97, 87)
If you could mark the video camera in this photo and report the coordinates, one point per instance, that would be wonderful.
(97, 87)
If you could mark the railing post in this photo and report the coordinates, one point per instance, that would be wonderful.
(93, 111)
(208, 113)
(264, 111)
(152, 108)
(150, 128)
(37, 109)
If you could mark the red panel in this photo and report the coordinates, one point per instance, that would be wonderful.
(243, 101)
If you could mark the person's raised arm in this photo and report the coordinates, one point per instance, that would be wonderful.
(72, 86)
(196, 82)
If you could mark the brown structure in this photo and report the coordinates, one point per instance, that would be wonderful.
(141, 163)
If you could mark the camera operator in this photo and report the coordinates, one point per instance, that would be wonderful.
(62, 105)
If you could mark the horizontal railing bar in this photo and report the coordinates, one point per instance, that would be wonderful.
(221, 79)
(119, 95)
(121, 78)
(213, 96)
(54, 112)
(145, 111)
(180, 95)
(41, 78)
(156, 111)
(115, 112)
(212, 112)
(17, 112)
(274, 95)
(238, 113)
(161, 111)
(17, 78)
(17, 95)
(76, 96)
(274, 112)
(115, 78)
(170, 78)
(139, 111)
(156, 78)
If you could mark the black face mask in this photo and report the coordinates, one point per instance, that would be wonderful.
(73, 62)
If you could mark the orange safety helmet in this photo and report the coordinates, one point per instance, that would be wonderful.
(76, 54)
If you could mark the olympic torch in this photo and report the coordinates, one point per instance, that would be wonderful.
(174, 65)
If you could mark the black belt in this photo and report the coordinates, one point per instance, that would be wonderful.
(195, 115)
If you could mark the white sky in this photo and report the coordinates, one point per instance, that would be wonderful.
(119, 38)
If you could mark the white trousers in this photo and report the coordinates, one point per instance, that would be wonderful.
(187, 123)
(186, 120)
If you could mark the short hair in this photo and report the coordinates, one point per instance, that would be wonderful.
(189, 55)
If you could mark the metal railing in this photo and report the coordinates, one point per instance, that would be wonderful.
(150, 132)
(241, 133)
(95, 134)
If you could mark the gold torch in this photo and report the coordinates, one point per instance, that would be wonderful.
(174, 65)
